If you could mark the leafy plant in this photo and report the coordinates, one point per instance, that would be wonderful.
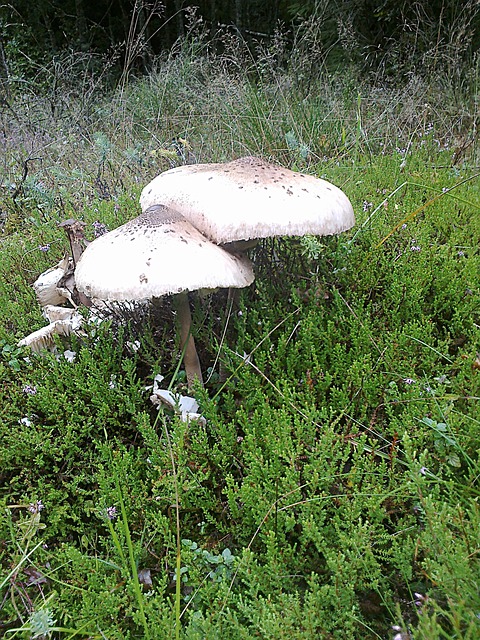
(218, 566)
(12, 354)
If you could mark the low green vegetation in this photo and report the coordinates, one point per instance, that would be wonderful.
(332, 489)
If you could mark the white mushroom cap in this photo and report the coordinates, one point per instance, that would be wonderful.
(157, 253)
(44, 338)
(45, 285)
(250, 198)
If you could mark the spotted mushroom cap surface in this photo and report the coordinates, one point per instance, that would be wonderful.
(155, 254)
(251, 198)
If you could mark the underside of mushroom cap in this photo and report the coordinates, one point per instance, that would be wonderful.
(155, 254)
(250, 198)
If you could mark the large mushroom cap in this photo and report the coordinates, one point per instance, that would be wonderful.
(250, 198)
(157, 253)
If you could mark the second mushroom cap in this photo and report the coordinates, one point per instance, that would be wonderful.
(250, 198)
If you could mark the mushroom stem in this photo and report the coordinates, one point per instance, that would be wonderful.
(76, 237)
(187, 343)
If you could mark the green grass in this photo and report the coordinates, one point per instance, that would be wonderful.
(333, 490)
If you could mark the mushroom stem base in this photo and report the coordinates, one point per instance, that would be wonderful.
(187, 343)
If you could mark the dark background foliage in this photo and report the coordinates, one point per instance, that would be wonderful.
(378, 35)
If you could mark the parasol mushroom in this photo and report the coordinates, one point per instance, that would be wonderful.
(249, 199)
(156, 254)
